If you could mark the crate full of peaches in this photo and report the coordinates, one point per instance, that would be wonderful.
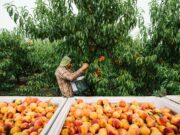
(122, 118)
(25, 117)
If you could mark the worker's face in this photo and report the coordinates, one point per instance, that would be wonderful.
(69, 66)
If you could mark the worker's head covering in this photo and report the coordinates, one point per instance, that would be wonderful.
(65, 61)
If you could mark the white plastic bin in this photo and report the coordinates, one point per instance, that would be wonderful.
(60, 101)
(159, 102)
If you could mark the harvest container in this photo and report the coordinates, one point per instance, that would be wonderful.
(159, 102)
(60, 101)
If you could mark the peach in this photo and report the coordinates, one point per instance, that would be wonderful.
(70, 119)
(142, 114)
(124, 124)
(8, 126)
(18, 101)
(106, 102)
(49, 115)
(162, 121)
(79, 101)
(169, 131)
(93, 115)
(78, 113)
(151, 122)
(86, 112)
(11, 109)
(123, 116)
(65, 131)
(49, 109)
(122, 131)
(116, 123)
(3, 104)
(2, 130)
(136, 103)
(97, 121)
(24, 125)
(68, 125)
(100, 102)
(176, 120)
(161, 128)
(33, 106)
(15, 130)
(4, 109)
(21, 108)
(83, 129)
(38, 123)
(103, 123)
(111, 130)
(129, 118)
(9, 115)
(72, 131)
(144, 106)
(78, 122)
(138, 121)
(155, 131)
(94, 128)
(133, 130)
(102, 131)
(122, 103)
(116, 114)
(43, 104)
(34, 133)
(144, 130)
(167, 116)
(18, 123)
(39, 109)
(99, 111)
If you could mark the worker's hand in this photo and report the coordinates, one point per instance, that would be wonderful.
(85, 66)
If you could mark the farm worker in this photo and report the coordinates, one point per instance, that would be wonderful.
(64, 75)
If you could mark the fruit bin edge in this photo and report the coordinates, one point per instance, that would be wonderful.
(159, 102)
(57, 100)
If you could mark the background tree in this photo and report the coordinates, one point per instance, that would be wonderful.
(100, 35)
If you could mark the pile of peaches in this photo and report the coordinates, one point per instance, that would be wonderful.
(25, 117)
(105, 118)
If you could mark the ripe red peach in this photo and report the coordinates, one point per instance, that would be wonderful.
(122, 103)
(78, 122)
(24, 125)
(38, 123)
(21, 108)
(111, 130)
(169, 131)
(162, 121)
